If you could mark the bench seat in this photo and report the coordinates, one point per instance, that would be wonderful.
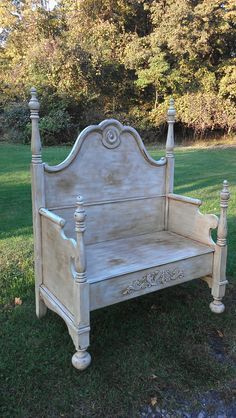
(127, 255)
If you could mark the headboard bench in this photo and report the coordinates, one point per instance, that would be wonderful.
(108, 227)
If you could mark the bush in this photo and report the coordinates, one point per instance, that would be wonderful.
(15, 123)
(56, 127)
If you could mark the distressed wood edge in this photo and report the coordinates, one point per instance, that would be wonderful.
(186, 199)
(100, 129)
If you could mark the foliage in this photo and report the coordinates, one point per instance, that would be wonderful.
(56, 127)
(15, 121)
(113, 56)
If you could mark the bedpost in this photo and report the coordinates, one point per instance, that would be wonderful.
(170, 158)
(219, 269)
(170, 148)
(81, 359)
(38, 198)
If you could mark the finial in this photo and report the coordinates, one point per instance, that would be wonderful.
(80, 215)
(224, 195)
(35, 137)
(34, 103)
(170, 134)
(171, 110)
(222, 227)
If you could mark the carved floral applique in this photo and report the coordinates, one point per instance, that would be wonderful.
(156, 278)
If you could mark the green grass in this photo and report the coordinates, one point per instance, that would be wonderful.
(150, 346)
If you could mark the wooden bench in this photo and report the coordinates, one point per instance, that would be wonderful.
(108, 227)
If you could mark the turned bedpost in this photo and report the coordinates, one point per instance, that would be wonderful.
(170, 158)
(219, 270)
(35, 136)
(170, 148)
(222, 226)
(81, 359)
(38, 197)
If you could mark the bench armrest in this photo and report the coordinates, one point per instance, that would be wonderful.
(184, 218)
(185, 199)
(52, 216)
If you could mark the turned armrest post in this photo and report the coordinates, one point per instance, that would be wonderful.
(220, 256)
(38, 197)
(81, 358)
(222, 226)
(80, 227)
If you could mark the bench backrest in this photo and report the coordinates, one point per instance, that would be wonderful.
(123, 188)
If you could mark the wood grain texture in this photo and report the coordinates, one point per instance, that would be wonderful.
(109, 221)
(58, 253)
(122, 256)
(99, 173)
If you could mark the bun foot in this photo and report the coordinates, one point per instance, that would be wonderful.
(81, 360)
(217, 306)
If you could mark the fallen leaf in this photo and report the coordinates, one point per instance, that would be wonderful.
(220, 333)
(153, 400)
(18, 301)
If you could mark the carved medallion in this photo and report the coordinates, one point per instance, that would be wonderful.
(156, 278)
(111, 138)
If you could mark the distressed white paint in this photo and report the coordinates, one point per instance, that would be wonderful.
(108, 227)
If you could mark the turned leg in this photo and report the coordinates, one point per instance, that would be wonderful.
(80, 336)
(81, 359)
(219, 269)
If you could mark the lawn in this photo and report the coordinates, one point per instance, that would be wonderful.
(163, 344)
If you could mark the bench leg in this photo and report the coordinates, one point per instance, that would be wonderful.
(80, 336)
(219, 281)
(81, 359)
(41, 308)
(219, 267)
